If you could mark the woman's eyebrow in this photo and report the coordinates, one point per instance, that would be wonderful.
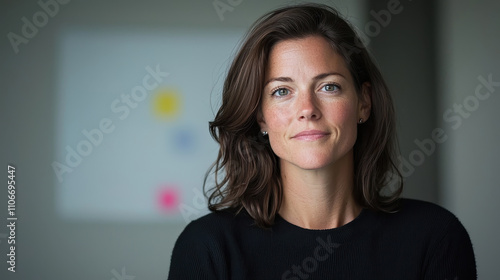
(324, 75)
(279, 79)
(317, 77)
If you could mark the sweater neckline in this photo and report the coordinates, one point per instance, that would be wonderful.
(364, 223)
(356, 220)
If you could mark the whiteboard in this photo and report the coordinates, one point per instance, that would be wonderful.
(132, 140)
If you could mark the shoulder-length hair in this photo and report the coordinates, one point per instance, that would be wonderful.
(246, 171)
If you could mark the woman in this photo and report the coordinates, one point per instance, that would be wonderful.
(306, 134)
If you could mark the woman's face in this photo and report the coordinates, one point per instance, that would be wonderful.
(310, 107)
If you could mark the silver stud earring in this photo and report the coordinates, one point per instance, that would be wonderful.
(264, 133)
(360, 121)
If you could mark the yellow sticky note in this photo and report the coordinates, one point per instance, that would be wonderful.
(167, 103)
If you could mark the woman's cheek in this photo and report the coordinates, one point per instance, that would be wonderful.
(343, 113)
(277, 119)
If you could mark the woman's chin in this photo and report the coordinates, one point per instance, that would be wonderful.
(314, 164)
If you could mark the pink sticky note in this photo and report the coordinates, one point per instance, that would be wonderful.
(168, 198)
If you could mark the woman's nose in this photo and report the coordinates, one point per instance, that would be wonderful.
(308, 108)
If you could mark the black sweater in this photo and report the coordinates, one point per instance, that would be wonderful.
(421, 241)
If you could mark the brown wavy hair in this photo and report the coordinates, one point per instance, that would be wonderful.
(246, 171)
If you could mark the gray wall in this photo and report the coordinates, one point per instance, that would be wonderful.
(404, 50)
(470, 48)
(432, 54)
(48, 247)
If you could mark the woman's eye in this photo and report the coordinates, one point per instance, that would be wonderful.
(281, 92)
(331, 87)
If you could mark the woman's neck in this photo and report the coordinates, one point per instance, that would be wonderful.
(321, 198)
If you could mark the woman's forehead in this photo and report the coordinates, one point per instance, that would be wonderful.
(311, 55)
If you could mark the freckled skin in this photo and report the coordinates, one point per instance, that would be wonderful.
(316, 92)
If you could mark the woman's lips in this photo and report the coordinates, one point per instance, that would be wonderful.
(310, 135)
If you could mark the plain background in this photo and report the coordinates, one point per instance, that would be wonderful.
(431, 53)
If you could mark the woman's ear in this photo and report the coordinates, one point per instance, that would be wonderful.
(365, 102)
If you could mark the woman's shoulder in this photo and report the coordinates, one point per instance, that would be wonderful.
(417, 216)
(213, 226)
(423, 210)
(426, 227)
(201, 248)
(410, 206)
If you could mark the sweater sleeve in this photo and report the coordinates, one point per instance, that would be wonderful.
(191, 257)
(453, 257)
